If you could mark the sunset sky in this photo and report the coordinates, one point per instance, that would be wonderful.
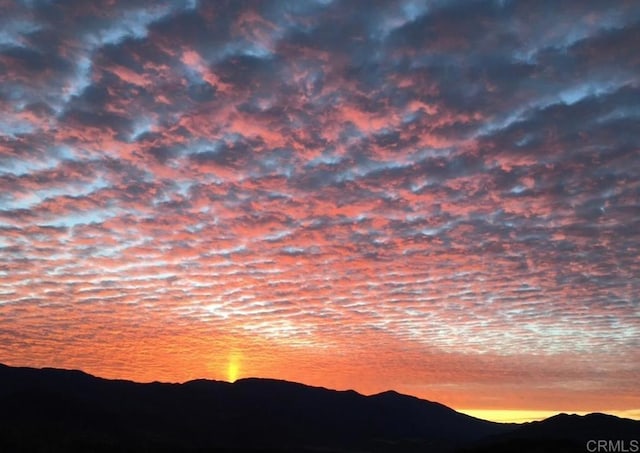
(436, 197)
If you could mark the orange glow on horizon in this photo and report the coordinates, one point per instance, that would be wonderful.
(341, 373)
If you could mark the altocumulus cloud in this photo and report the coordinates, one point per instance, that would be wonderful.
(405, 193)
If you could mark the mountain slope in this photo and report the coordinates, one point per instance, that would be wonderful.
(60, 410)
(73, 410)
(565, 433)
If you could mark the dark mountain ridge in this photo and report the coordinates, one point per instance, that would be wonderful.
(566, 433)
(61, 410)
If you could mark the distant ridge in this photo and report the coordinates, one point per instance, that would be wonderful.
(68, 410)
(565, 433)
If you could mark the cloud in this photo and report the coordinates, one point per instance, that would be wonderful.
(399, 195)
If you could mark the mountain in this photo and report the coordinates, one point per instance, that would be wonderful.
(60, 410)
(63, 410)
(565, 433)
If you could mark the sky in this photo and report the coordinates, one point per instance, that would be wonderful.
(436, 197)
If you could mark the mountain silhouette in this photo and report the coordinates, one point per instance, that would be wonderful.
(565, 433)
(60, 410)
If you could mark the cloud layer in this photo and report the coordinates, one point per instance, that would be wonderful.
(440, 197)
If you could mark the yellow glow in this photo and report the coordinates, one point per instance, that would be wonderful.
(508, 416)
(233, 368)
(521, 416)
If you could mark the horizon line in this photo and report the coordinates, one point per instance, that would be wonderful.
(504, 415)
